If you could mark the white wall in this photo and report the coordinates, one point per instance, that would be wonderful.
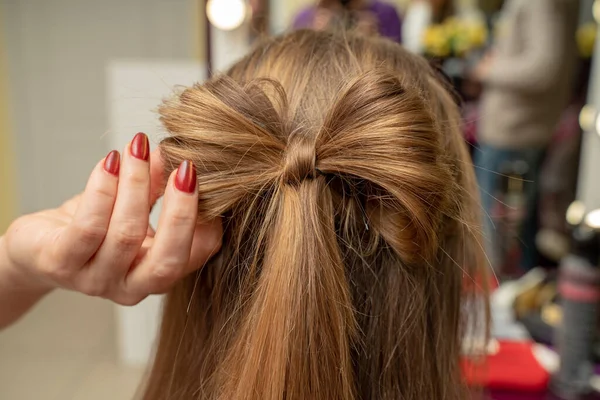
(58, 51)
(229, 46)
(134, 89)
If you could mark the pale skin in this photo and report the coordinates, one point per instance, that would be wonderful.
(482, 69)
(100, 242)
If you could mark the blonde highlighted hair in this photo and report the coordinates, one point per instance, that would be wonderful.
(350, 228)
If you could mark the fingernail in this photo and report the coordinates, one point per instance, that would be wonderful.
(112, 163)
(185, 180)
(140, 147)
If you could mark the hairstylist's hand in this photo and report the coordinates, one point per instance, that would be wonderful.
(100, 243)
(482, 69)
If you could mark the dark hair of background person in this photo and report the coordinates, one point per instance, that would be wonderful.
(347, 12)
(348, 4)
(351, 228)
(442, 9)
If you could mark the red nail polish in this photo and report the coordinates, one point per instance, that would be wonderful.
(185, 180)
(112, 163)
(140, 147)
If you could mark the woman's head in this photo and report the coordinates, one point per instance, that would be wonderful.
(349, 213)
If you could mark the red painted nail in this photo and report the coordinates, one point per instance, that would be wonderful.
(140, 147)
(112, 162)
(185, 180)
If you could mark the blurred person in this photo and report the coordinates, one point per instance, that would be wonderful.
(323, 287)
(527, 82)
(492, 9)
(559, 172)
(369, 17)
(419, 15)
(100, 242)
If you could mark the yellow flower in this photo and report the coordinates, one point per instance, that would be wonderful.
(454, 36)
(586, 39)
(462, 45)
(435, 41)
(477, 34)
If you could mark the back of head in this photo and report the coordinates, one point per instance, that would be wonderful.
(349, 210)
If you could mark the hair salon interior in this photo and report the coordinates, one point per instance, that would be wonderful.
(77, 77)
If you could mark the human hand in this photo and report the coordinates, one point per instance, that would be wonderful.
(100, 242)
(481, 71)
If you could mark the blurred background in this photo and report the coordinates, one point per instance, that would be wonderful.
(81, 77)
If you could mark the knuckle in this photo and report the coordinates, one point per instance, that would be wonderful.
(129, 300)
(104, 192)
(179, 219)
(164, 275)
(137, 179)
(90, 232)
(55, 267)
(167, 271)
(129, 237)
(93, 288)
(56, 272)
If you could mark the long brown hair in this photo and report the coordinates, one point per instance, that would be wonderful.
(350, 228)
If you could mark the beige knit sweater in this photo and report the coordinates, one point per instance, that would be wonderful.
(530, 77)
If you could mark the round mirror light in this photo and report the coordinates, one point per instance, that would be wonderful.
(576, 213)
(226, 15)
(593, 219)
(596, 11)
(587, 118)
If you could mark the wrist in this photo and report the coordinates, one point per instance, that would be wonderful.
(18, 277)
(18, 291)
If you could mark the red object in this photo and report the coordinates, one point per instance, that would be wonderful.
(185, 180)
(469, 121)
(112, 163)
(576, 291)
(140, 147)
(513, 368)
(479, 283)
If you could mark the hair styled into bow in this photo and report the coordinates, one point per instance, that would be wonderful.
(350, 219)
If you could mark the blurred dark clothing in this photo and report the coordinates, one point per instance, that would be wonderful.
(489, 162)
(526, 90)
(558, 180)
(388, 20)
(529, 82)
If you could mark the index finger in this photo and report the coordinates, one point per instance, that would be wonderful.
(86, 232)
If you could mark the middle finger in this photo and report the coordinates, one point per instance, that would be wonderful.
(129, 222)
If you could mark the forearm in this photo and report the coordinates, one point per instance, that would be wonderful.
(17, 293)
